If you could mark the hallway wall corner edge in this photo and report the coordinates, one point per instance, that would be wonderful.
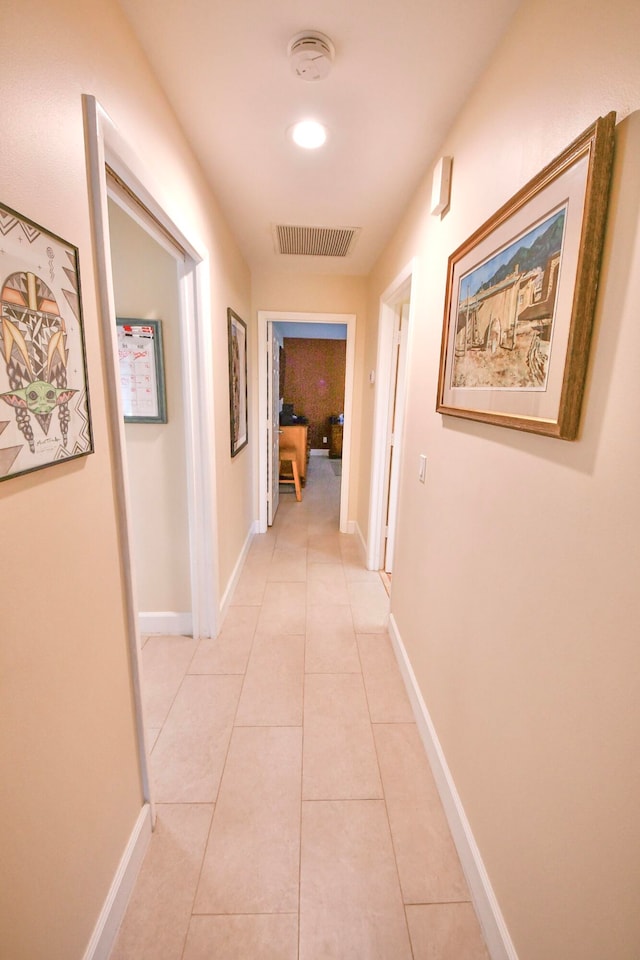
(494, 928)
(237, 570)
(115, 905)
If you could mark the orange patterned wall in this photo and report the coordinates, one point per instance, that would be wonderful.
(314, 383)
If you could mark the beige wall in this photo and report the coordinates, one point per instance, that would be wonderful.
(70, 791)
(515, 585)
(321, 294)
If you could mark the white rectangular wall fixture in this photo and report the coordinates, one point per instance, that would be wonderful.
(441, 189)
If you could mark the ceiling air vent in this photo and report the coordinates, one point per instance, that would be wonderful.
(315, 241)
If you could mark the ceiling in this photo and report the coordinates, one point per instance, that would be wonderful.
(400, 75)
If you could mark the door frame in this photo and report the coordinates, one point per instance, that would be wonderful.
(397, 388)
(273, 436)
(106, 145)
(399, 289)
(346, 525)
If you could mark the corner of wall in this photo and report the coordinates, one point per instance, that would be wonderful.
(494, 928)
(237, 570)
(115, 905)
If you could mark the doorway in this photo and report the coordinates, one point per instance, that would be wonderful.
(110, 157)
(396, 317)
(268, 437)
(145, 285)
(306, 366)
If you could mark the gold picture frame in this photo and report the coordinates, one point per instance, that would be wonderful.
(521, 294)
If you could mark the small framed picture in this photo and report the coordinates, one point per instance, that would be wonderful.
(141, 365)
(237, 381)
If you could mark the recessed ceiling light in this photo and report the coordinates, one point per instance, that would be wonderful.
(309, 134)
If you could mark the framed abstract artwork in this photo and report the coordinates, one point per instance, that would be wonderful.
(237, 330)
(521, 296)
(44, 398)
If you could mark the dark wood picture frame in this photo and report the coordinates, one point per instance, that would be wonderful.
(238, 391)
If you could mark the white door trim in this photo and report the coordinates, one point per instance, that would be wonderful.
(344, 318)
(106, 145)
(397, 403)
(273, 425)
(397, 290)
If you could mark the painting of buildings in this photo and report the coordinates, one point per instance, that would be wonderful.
(506, 310)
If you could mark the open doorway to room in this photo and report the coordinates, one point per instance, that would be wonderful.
(115, 171)
(311, 376)
(305, 399)
(145, 286)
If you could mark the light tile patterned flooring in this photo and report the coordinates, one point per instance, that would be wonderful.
(297, 817)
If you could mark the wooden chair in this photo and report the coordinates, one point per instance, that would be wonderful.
(289, 455)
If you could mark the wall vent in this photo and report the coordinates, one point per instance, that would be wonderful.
(315, 241)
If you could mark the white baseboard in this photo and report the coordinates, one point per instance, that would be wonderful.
(494, 928)
(358, 532)
(237, 570)
(168, 623)
(106, 929)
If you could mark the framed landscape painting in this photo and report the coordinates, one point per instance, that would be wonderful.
(521, 297)
(237, 329)
(44, 398)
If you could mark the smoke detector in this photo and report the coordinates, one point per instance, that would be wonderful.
(311, 55)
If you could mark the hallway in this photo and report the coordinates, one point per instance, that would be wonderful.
(296, 813)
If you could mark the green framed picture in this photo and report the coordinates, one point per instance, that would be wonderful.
(141, 366)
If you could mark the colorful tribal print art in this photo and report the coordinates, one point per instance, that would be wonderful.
(44, 406)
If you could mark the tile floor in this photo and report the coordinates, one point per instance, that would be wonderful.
(297, 818)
